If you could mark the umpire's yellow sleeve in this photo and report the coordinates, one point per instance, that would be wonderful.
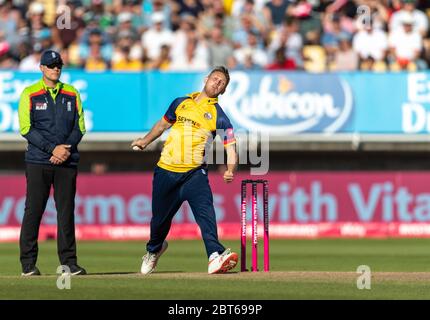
(24, 113)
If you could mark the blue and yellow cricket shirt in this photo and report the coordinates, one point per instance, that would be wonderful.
(195, 125)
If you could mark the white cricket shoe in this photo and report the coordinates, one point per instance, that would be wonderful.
(223, 262)
(150, 260)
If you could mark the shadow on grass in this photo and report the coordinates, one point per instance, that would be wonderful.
(170, 271)
(130, 273)
(111, 273)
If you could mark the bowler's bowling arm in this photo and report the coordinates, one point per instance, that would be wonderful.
(156, 131)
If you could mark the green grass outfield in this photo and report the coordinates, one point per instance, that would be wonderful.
(300, 269)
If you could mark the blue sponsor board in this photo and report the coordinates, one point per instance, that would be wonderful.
(391, 103)
(112, 101)
(285, 103)
(279, 103)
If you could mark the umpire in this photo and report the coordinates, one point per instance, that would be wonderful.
(51, 119)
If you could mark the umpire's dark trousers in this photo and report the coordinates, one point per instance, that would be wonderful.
(169, 191)
(39, 180)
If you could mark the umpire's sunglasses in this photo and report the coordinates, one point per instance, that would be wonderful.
(55, 65)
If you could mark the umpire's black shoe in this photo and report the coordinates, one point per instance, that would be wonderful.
(30, 270)
(76, 270)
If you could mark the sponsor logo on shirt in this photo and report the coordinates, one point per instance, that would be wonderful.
(184, 120)
(41, 106)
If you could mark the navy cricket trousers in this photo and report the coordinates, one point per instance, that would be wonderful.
(169, 191)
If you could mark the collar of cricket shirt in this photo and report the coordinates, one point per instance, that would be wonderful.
(52, 91)
(207, 100)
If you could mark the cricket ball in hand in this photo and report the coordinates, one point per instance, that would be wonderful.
(136, 148)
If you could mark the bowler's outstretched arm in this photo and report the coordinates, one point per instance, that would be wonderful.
(156, 131)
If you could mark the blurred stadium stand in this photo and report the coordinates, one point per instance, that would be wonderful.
(341, 88)
(147, 42)
(310, 35)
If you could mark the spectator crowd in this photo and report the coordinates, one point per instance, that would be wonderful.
(195, 35)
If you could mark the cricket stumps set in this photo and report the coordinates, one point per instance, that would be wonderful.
(254, 224)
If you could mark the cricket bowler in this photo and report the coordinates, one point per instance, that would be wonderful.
(181, 173)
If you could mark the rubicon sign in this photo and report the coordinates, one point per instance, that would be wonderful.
(280, 103)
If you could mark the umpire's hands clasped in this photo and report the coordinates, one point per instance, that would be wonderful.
(60, 154)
